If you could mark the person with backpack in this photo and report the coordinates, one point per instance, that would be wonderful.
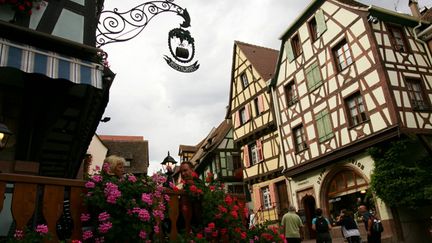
(350, 229)
(322, 227)
(372, 224)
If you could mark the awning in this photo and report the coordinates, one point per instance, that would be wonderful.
(34, 60)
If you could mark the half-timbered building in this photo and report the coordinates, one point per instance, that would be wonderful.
(250, 107)
(349, 76)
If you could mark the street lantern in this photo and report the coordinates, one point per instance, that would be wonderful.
(168, 164)
(5, 133)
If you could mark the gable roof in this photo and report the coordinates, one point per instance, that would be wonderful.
(263, 59)
(211, 142)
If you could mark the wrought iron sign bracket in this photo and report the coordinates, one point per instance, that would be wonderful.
(115, 26)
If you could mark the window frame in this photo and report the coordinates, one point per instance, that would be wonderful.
(313, 29)
(243, 116)
(256, 106)
(355, 96)
(393, 39)
(296, 45)
(340, 46)
(414, 94)
(299, 146)
(266, 197)
(244, 80)
(253, 154)
(290, 93)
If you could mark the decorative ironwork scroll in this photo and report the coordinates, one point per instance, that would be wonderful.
(115, 26)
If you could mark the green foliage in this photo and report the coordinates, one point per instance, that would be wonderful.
(402, 174)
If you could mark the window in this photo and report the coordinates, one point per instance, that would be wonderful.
(257, 106)
(356, 109)
(266, 199)
(290, 93)
(243, 116)
(416, 94)
(342, 55)
(397, 37)
(244, 80)
(255, 152)
(313, 29)
(299, 139)
(296, 46)
(324, 125)
(313, 77)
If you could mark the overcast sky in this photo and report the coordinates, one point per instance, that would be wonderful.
(148, 98)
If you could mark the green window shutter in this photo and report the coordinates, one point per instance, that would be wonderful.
(327, 125)
(321, 128)
(316, 75)
(289, 51)
(321, 25)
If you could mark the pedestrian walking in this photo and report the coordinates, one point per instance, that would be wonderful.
(322, 227)
(350, 229)
(373, 236)
(292, 225)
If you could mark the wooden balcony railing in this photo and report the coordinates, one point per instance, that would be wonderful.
(31, 197)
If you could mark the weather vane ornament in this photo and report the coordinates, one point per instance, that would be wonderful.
(115, 26)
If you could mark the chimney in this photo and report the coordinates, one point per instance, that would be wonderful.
(413, 4)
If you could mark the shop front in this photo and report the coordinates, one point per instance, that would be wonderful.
(341, 185)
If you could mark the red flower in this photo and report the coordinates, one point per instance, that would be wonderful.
(211, 225)
(223, 231)
(21, 7)
(193, 188)
(243, 235)
(234, 214)
(199, 236)
(228, 200)
(194, 175)
(222, 209)
(214, 233)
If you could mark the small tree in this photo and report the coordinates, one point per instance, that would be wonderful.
(402, 174)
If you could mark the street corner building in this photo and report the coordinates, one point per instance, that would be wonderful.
(349, 77)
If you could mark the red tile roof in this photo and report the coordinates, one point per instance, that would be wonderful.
(263, 59)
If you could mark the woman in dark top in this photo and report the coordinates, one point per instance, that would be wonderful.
(349, 227)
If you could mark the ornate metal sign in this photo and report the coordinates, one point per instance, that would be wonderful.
(115, 26)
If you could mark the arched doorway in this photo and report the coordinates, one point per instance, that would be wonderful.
(345, 189)
(309, 204)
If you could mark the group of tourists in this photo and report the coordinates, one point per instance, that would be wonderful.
(292, 226)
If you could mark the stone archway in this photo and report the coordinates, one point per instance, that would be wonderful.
(344, 188)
